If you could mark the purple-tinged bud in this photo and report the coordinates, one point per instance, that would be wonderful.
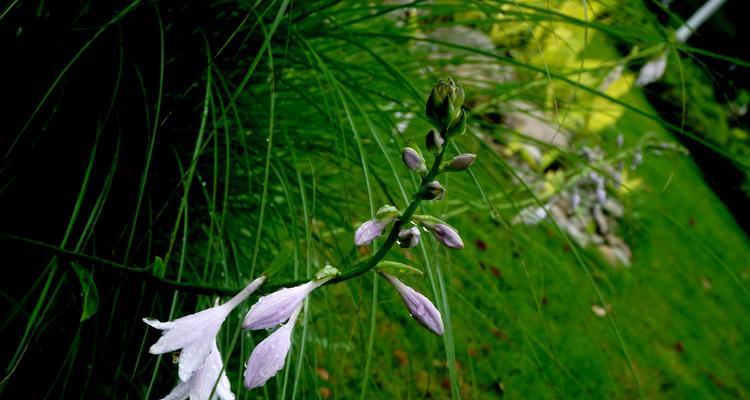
(269, 356)
(620, 140)
(448, 236)
(413, 160)
(443, 232)
(432, 191)
(420, 307)
(369, 230)
(434, 142)
(409, 237)
(460, 162)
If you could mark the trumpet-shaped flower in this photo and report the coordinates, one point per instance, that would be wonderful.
(201, 384)
(268, 358)
(277, 307)
(196, 333)
(420, 307)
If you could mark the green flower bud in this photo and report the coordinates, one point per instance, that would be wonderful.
(444, 103)
(457, 126)
(386, 213)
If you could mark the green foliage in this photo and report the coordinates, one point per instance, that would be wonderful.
(289, 134)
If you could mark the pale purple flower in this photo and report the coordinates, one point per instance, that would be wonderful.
(277, 307)
(269, 356)
(196, 333)
(420, 307)
(413, 160)
(446, 235)
(620, 140)
(461, 162)
(201, 384)
(409, 237)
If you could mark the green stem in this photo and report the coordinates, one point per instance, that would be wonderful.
(147, 274)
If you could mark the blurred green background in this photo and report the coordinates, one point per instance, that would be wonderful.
(158, 154)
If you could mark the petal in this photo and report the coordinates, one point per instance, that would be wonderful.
(202, 383)
(269, 356)
(180, 392)
(223, 389)
(277, 307)
(420, 307)
(193, 357)
(188, 329)
(367, 232)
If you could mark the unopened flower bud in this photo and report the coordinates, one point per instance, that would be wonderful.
(369, 230)
(432, 191)
(419, 306)
(620, 140)
(413, 160)
(460, 162)
(443, 232)
(457, 126)
(434, 141)
(444, 103)
(448, 236)
(409, 237)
